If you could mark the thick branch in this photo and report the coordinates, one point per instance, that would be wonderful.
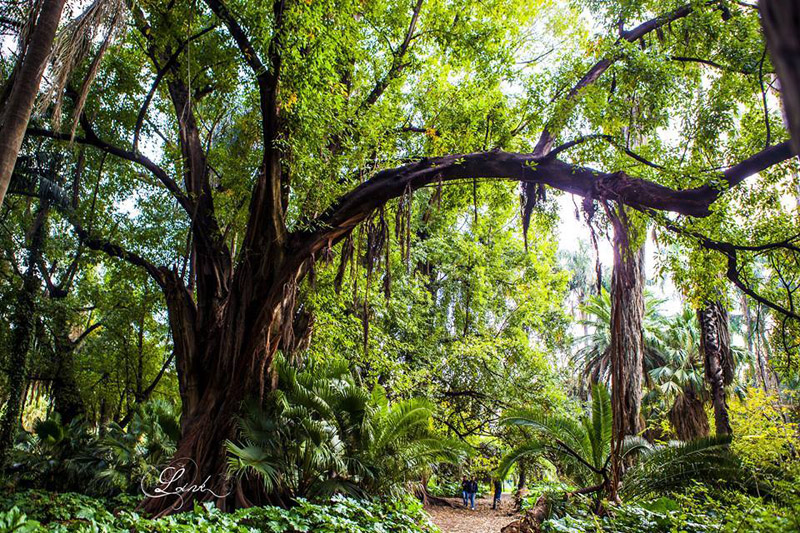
(352, 208)
(733, 274)
(613, 142)
(159, 76)
(86, 333)
(266, 223)
(397, 62)
(114, 250)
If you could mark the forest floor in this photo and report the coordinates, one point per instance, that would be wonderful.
(463, 520)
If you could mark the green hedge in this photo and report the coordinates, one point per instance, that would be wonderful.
(69, 512)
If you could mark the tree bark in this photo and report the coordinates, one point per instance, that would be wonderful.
(627, 341)
(17, 109)
(23, 322)
(688, 416)
(715, 344)
(221, 360)
(781, 22)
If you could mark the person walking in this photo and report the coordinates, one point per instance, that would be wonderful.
(465, 485)
(498, 491)
(473, 489)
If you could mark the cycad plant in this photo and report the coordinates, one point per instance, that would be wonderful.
(581, 450)
(321, 434)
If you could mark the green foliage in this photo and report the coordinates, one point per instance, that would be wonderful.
(579, 447)
(15, 521)
(104, 461)
(321, 434)
(765, 434)
(69, 512)
(593, 358)
(670, 467)
(695, 509)
(582, 448)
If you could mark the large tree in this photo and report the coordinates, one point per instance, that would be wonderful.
(269, 177)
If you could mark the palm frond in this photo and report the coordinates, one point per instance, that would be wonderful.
(672, 466)
(531, 448)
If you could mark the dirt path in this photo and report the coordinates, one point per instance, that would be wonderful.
(462, 520)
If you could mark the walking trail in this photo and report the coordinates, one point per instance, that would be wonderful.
(463, 520)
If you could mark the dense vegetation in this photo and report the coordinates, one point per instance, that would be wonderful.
(300, 266)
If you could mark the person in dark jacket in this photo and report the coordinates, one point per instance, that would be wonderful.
(465, 485)
(473, 489)
(498, 491)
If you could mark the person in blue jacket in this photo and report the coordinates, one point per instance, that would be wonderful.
(498, 491)
(465, 484)
(473, 489)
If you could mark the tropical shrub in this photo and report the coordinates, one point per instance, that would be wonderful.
(444, 489)
(694, 509)
(579, 447)
(320, 434)
(99, 461)
(582, 448)
(765, 435)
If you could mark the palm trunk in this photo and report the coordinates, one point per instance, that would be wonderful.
(21, 340)
(688, 416)
(17, 109)
(716, 349)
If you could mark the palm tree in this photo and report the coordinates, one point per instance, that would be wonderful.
(594, 356)
(321, 434)
(679, 379)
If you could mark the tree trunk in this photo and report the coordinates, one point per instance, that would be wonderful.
(17, 109)
(716, 349)
(781, 22)
(627, 341)
(688, 416)
(67, 399)
(522, 485)
(23, 321)
(221, 361)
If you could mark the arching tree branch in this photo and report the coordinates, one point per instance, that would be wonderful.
(353, 207)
